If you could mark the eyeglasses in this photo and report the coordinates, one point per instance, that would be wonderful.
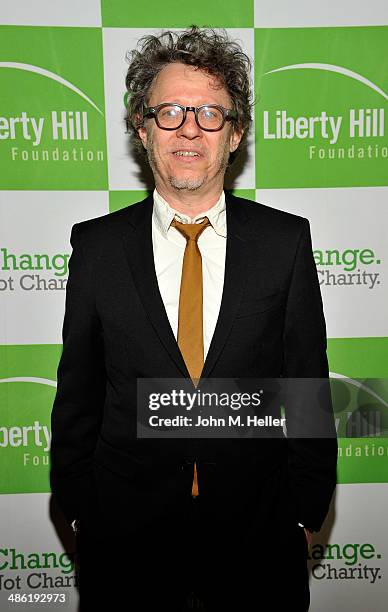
(209, 117)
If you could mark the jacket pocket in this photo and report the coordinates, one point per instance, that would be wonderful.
(254, 305)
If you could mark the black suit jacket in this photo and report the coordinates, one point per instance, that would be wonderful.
(116, 330)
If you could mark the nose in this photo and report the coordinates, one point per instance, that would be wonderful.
(190, 129)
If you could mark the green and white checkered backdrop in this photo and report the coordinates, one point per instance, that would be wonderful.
(319, 148)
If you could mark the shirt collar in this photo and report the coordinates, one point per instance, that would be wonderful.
(163, 214)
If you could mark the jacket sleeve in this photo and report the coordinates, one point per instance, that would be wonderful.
(78, 405)
(312, 459)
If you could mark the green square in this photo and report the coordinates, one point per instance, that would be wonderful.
(358, 357)
(358, 398)
(177, 14)
(122, 199)
(321, 112)
(247, 194)
(26, 399)
(52, 124)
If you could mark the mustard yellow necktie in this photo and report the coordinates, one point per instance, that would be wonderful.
(190, 318)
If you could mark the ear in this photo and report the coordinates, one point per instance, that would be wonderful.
(235, 138)
(143, 136)
(142, 133)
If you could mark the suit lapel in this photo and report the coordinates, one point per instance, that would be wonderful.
(234, 278)
(137, 239)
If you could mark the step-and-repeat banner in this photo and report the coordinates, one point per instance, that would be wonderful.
(319, 148)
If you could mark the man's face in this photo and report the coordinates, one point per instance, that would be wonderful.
(188, 86)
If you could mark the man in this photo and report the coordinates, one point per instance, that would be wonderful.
(190, 282)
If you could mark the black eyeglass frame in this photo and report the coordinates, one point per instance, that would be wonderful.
(227, 115)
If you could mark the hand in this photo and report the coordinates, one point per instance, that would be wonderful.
(309, 537)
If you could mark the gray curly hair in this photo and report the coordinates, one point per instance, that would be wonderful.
(205, 48)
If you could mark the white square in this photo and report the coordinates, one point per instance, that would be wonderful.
(31, 539)
(123, 168)
(345, 220)
(48, 13)
(39, 223)
(314, 13)
(359, 543)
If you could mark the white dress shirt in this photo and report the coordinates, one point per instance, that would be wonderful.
(169, 247)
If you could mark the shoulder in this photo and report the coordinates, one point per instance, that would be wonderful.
(105, 226)
(264, 219)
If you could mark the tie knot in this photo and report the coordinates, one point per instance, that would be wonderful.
(191, 231)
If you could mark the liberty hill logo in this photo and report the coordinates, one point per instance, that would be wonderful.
(35, 438)
(63, 126)
(363, 123)
(66, 125)
(356, 129)
(36, 435)
(39, 133)
(25, 432)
